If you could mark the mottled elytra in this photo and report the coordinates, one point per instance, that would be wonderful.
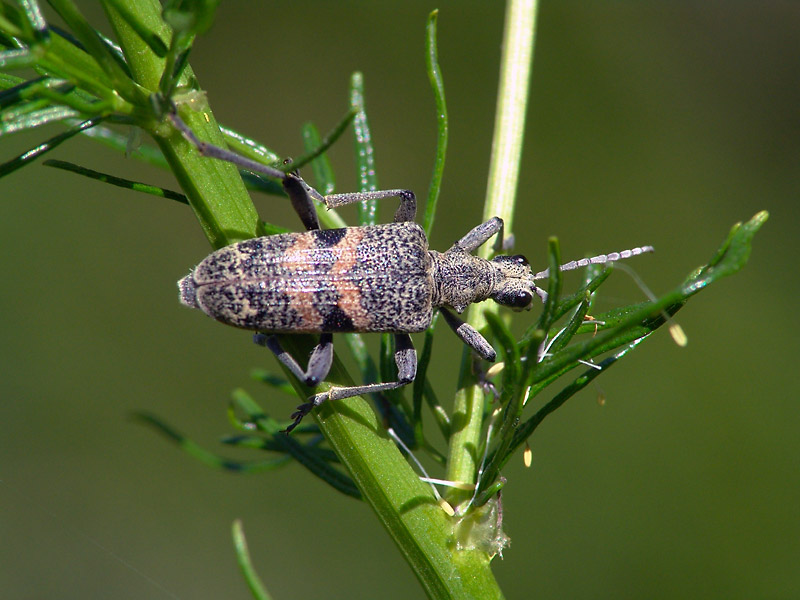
(378, 278)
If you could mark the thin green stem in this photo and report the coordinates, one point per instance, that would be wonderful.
(512, 100)
(257, 587)
(365, 156)
(94, 45)
(437, 83)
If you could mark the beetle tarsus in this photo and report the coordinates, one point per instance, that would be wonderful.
(298, 415)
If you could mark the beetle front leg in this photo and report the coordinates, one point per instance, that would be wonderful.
(405, 357)
(469, 335)
(480, 235)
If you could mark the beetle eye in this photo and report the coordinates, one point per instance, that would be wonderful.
(521, 299)
(520, 260)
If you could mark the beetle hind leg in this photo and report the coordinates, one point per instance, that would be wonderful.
(405, 357)
(212, 151)
(318, 364)
(300, 193)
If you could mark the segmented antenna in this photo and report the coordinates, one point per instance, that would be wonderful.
(600, 259)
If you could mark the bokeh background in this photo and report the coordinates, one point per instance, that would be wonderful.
(650, 123)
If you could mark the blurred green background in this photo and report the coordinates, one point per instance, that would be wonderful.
(650, 123)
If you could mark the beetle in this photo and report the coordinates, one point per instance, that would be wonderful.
(376, 278)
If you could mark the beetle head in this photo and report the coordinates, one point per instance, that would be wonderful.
(515, 287)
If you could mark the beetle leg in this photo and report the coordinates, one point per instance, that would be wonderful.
(299, 192)
(405, 357)
(407, 210)
(481, 234)
(318, 364)
(469, 335)
(220, 153)
(481, 374)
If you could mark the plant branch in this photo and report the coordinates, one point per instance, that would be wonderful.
(512, 100)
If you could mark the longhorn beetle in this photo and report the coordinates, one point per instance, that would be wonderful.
(377, 278)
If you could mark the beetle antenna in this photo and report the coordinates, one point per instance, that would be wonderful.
(600, 259)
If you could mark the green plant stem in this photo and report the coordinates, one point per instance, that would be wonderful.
(512, 100)
(254, 582)
(437, 83)
(214, 188)
(94, 45)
